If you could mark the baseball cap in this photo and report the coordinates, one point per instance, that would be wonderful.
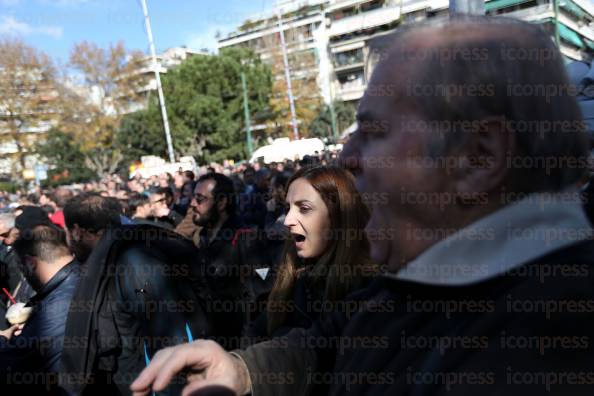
(31, 217)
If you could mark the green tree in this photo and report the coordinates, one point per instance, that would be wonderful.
(321, 125)
(64, 156)
(141, 133)
(205, 108)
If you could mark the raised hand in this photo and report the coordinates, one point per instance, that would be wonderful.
(204, 363)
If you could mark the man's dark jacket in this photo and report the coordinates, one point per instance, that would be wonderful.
(12, 278)
(305, 307)
(528, 331)
(134, 298)
(237, 293)
(10, 274)
(38, 349)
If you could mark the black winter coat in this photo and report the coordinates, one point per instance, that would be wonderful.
(239, 271)
(515, 334)
(134, 298)
(39, 348)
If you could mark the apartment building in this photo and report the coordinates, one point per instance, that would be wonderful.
(575, 21)
(27, 112)
(306, 41)
(166, 60)
(353, 24)
(339, 33)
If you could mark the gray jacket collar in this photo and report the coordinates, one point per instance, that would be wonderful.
(506, 239)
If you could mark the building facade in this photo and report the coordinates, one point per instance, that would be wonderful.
(575, 21)
(339, 33)
(166, 60)
(28, 110)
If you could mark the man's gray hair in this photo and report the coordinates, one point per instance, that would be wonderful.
(502, 70)
(7, 219)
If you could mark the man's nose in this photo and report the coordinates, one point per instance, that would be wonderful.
(350, 157)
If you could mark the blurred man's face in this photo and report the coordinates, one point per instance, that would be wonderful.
(163, 182)
(159, 206)
(249, 176)
(143, 211)
(12, 236)
(44, 200)
(187, 191)
(8, 235)
(203, 204)
(178, 181)
(263, 183)
(385, 151)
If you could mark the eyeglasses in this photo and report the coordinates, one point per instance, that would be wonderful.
(200, 199)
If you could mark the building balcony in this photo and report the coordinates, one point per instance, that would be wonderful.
(348, 60)
(352, 90)
(340, 4)
(271, 27)
(349, 67)
(366, 20)
(531, 14)
(351, 94)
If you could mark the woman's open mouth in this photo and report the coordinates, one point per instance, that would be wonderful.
(299, 240)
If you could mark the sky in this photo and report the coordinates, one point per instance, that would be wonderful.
(54, 26)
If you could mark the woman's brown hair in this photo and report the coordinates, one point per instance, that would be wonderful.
(345, 263)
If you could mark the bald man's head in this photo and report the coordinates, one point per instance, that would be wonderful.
(459, 119)
(461, 74)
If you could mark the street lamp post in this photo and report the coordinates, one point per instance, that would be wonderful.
(149, 33)
(246, 111)
(333, 122)
(288, 76)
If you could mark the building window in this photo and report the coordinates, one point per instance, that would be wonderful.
(348, 57)
(351, 81)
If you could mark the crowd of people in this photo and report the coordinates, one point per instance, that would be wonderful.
(364, 274)
(229, 229)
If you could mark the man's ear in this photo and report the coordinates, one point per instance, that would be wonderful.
(222, 204)
(76, 232)
(483, 164)
(31, 263)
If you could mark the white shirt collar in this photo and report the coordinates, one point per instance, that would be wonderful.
(506, 239)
